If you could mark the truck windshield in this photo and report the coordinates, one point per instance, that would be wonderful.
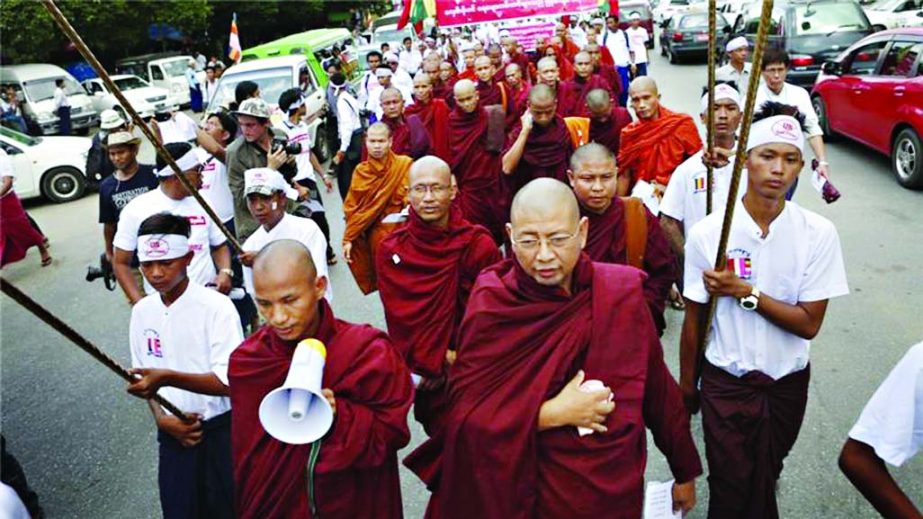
(41, 89)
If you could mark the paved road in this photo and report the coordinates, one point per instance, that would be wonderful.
(89, 449)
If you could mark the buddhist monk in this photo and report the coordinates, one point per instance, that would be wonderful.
(433, 112)
(605, 71)
(518, 87)
(495, 53)
(549, 74)
(379, 188)
(425, 272)
(539, 145)
(408, 133)
(605, 123)
(656, 143)
(583, 82)
(476, 136)
(490, 91)
(516, 56)
(537, 328)
(622, 231)
(354, 473)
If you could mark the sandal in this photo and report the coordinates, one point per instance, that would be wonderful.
(332, 260)
(676, 299)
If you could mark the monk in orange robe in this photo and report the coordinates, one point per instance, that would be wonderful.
(654, 145)
(378, 188)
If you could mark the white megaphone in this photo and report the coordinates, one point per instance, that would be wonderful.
(297, 412)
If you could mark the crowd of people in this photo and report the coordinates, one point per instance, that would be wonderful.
(525, 234)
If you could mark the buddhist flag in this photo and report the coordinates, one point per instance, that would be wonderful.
(415, 11)
(234, 44)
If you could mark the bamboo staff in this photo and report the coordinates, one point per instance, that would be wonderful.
(61, 327)
(710, 115)
(72, 35)
(739, 157)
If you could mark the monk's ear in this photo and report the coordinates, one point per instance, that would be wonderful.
(582, 229)
(320, 284)
(509, 230)
(570, 177)
(453, 188)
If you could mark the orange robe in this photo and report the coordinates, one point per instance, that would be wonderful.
(378, 188)
(651, 150)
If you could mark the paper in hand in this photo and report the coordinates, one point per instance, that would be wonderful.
(397, 217)
(590, 386)
(645, 191)
(658, 501)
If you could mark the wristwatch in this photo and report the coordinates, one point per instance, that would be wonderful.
(751, 301)
(229, 272)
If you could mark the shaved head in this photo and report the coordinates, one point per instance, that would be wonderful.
(378, 141)
(466, 95)
(430, 165)
(544, 196)
(287, 289)
(645, 99)
(643, 83)
(379, 128)
(421, 76)
(598, 98)
(284, 258)
(541, 94)
(463, 86)
(423, 87)
(431, 190)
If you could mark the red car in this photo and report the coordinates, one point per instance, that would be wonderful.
(873, 93)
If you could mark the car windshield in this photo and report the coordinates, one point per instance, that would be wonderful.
(272, 83)
(41, 89)
(887, 5)
(627, 10)
(829, 18)
(21, 138)
(175, 67)
(130, 83)
(695, 21)
(392, 36)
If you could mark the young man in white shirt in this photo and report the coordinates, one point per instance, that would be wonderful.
(737, 69)
(62, 107)
(783, 265)
(774, 88)
(266, 193)
(210, 87)
(349, 127)
(209, 245)
(220, 129)
(890, 430)
(181, 339)
(637, 39)
(178, 128)
(616, 41)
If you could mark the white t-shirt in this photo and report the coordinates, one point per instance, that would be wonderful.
(181, 128)
(729, 73)
(685, 197)
(60, 98)
(6, 165)
(791, 95)
(215, 187)
(892, 421)
(638, 38)
(303, 135)
(800, 260)
(291, 227)
(11, 507)
(205, 233)
(616, 43)
(195, 334)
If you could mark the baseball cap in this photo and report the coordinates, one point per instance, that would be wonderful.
(109, 119)
(254, 107)
(117, 138)
(263, 181)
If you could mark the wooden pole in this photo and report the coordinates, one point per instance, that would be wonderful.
(710, 115)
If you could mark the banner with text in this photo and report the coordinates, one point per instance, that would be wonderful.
(525, 34)
(452, 13)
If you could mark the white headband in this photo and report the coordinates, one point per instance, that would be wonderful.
(737, 43)
(159, 247)
(722, 91)
(186, 162)
(297, 104)
(776, 129)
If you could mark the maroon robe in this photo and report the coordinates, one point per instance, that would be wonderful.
(477, 166)
(17, 235)
(425, 275)
(606, 242)
(608, 133)
(575, 101)
(435, 118)
(356, 474)
(612, 78)
(520, 343)
(408, 137)
(547, 153)
(493, 93)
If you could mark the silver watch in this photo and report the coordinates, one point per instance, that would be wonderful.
(751, 301)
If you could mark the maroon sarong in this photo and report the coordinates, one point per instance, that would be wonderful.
(17, 235)
(578, 89)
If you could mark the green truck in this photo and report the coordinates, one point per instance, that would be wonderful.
(315, 45)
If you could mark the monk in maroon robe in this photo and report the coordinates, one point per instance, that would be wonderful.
(491, 92)
(607, 119)
(354, 473)
(584, 81)
(606, 71)
(537, 327)
(549, 74)
(539, 145)
(408, 133)
(476, 136)
(516, 56)
(622, 231)
(432, 112)
(17, 234)
(518, 88)
(425, 272)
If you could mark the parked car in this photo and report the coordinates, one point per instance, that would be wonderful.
(52, 167)
(35, 84)
(891, 14)
(274, 76)
(630, 7)
(164, 70)
(873, 93)
(686, 35)
(144, 98)
(734, 10)
(667, 9)
(811, 32)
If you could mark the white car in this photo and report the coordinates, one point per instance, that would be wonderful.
(666, 9)
(892, 14)
(53, 167)
(145, 99)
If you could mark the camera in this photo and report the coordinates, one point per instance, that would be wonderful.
(104, 270)
(162, 117)
(291, 148)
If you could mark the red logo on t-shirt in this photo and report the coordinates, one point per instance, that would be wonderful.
(197, 220)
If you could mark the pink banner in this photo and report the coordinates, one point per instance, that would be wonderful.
(451, 13)
(525, 34)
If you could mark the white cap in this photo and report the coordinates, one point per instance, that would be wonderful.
(634, 16)
(598, 21)
(737, 43)
(109, 119)
(265, 181)
(390, 56)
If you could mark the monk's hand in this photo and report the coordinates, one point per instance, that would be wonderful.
(450, 356)
(577, 408)
(684, 496)
(146, 381)
(328, 394)
(277, 159)
(690, 396)
(347, 251)
(188, 434)
(338, 158)
(247, 257)
(526, 120)
(725, 283)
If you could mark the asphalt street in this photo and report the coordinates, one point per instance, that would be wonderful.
(89, 449)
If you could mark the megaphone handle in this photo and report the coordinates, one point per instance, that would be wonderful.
(312, 463)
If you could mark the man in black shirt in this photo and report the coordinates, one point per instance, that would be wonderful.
(129, 180)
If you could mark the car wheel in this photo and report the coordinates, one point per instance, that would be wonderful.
(820, 108)
(674, 59)
(663, 49)
(907, 159)
(322, 144)
(63, 184)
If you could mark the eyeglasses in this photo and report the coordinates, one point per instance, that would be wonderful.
(435, 189)
(557, 241)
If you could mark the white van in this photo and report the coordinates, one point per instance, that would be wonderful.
(164, 70)
(274, 76)
(35, 84)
